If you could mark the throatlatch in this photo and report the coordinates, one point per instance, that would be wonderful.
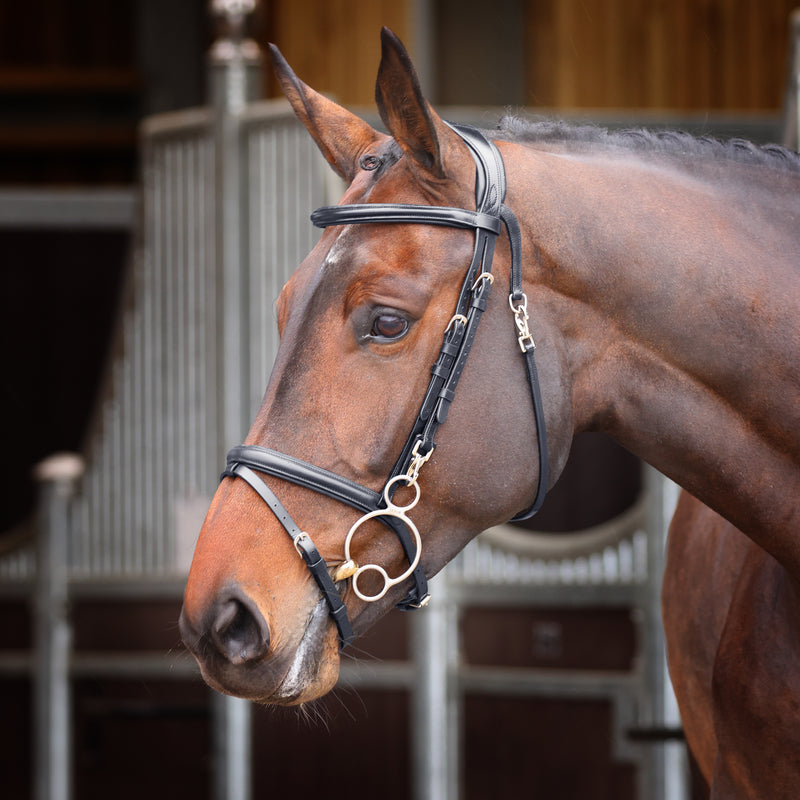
(245, 460)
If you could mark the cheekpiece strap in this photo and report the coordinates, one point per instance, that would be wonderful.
(491, 215)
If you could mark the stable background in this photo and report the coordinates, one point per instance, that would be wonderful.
(76, 78)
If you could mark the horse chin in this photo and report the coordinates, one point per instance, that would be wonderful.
(311, 673)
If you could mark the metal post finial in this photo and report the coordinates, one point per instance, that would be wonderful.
(57, 477)
(232, 41)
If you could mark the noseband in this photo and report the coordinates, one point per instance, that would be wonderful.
(244, 461)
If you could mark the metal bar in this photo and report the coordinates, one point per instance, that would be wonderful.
(551, 595)
(210, 318)
(136, 665)
(232, 747)
(184, 122)
(436, 707)
(377, 675)
(170, 270)
(93, 209)
(180, 665)
(192, 392)
(57, 477)
(235, 80)
(546, 683)
(128, 432)
(154, 297)
(790, 134)
(145, 345)
(136, 425)
(422, 21)
(661, 782)
(795, 50)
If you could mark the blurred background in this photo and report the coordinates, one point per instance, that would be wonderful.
(115, 149)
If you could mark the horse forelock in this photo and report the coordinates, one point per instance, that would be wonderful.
(644, 141)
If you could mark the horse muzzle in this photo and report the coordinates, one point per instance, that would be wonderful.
(238, 654)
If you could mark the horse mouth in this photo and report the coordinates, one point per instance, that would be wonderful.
(313, 665)
(312, 671)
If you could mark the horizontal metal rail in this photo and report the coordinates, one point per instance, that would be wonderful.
(83, 209)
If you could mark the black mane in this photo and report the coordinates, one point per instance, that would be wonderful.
(674, 143)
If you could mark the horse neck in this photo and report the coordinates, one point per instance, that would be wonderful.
(676, 299)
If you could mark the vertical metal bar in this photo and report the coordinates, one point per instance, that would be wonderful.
(144, 291)
(169, 346)
(795, 86)
(57, 478)
(274, 239)
(235, 80)
(676, 767)
(178, 355)
(422, 18)
(791, 104)
(666, 778)
(436, 710)
(191, 432)
(211, 377)
(114, 535)
(126, 477)
(138, 479)
(155, 297)
(256, 271)
(106, 471)
(232, 747)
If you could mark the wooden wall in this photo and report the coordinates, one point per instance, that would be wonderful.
(671, 54)
(677, 54)
(334, 45)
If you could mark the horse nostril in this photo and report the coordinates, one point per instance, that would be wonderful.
(239, 631)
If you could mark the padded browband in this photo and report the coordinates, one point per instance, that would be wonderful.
(406, 213)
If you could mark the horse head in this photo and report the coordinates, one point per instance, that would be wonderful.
(362, 321)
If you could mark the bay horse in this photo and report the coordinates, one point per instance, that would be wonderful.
(656, 277)
(731, 614)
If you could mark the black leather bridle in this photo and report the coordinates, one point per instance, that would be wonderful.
(487, 221)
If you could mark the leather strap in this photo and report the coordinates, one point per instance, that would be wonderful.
(305, 547)
(310, 476)
(517, 295)
(289, 468)
(398, 212)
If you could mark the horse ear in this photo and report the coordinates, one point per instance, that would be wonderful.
(405, 112)
(340, 135)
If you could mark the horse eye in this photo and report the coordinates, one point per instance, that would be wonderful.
(389, 326)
